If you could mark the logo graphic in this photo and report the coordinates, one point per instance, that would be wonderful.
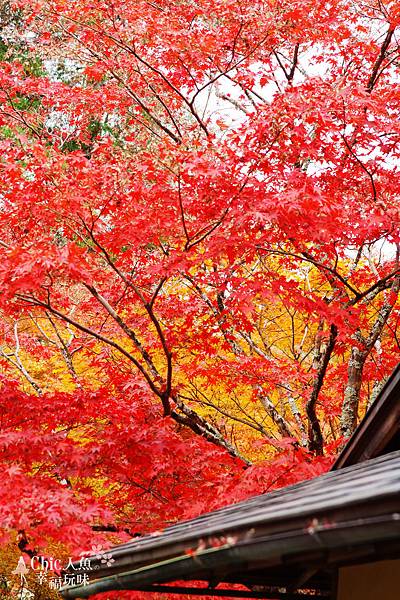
(21, 570)
(49, 570)
(105, 557)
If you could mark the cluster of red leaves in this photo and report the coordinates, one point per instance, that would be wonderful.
(55, 450)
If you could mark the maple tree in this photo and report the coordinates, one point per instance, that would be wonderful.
(200, 240)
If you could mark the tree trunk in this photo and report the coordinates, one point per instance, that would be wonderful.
(352, 391)
(315, 438)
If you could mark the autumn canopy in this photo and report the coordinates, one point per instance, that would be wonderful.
(199, 239)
